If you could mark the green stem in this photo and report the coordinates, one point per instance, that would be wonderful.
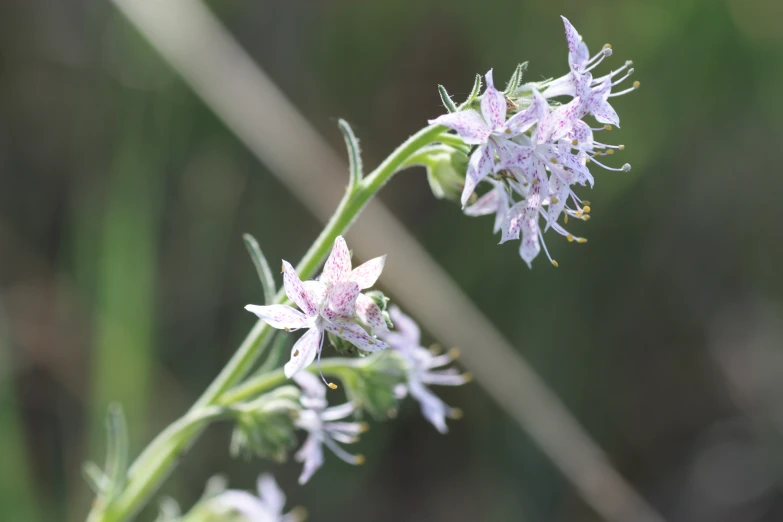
(156, 462)
(261, 383)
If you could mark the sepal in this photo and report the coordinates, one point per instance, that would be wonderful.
(265, 426)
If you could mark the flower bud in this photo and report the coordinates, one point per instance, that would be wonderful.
(446, 174)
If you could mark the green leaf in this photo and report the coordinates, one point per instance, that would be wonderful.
(473, 93)
(262, 268)
(516, 79)
(116, 450)
(446, 99)
(354, 152)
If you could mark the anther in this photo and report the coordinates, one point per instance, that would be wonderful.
(570, 238)
(628, 62)
(454, 353)
(607, 46)
(554, 201)
(585, 202)
(332, 385)
(553, 160)
(575, 143)
(555, 263)
(296, 353)
(565, 219)
(627, 167)
(340, 330)
(363, 426)
(581, 240)
(586, 209)
(360, 459)
(467, 376)
(608, 51)
(585, 217)
(287, 329)
(637, 84)
(621, 147)
(456, 413)
(610, 151)
(607, 127)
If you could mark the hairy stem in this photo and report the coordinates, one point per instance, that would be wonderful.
(158, 460)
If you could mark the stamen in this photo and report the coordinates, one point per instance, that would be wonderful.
(453, 353)
(575, 143)
(570, 238)
(635, 86)
(608, 127)
(555, 264)
(586, 209)
(467, 376)
(621, 80)
(581, 240)
(603, 54)
(331, 385)
(546, 251)
(624, 168)
(621, 147)
(455, 413)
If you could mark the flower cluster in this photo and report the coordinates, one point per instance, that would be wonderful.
(421, 370)
(333, 303)
(534, 157)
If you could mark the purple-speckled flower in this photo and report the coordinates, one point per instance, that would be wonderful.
(328, 305)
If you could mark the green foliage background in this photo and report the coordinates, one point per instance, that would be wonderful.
(123, 273)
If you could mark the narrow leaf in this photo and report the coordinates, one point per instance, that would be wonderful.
(354, 152)
(262, 268)
(446, 99)
(473, 93)
(116, 450)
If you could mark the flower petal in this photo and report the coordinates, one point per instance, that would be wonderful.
(338, 265)
(469, 124)
(295, 290)
(529, 247)
(433, 409)
(523, 120)
(486, 204)
(479, 165)
(578, 54)
(355, 334)
(271, 494)
(316, 291)
(367, 274)
(341, 302)
(312, 454)
(369, 313)
(338, 412)
(405, 326)
(304, 351)
(493, 104)
(311, 385)
(279, 316)
(512, 222)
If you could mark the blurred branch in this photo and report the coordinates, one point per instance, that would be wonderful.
(228, 81)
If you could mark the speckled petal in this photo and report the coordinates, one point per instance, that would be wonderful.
(338, 265)
(295, 290)
(369, 313)
(304, 351)
(367, 274)
(280, 316)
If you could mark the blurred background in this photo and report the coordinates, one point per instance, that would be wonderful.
(123, 274)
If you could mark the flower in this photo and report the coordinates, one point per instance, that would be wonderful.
(322, 427)
(539, 153)
(422, 364)
(489, 130)
(326, 305)
(266, 507)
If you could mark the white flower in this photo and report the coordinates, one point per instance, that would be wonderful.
(322, 427)
(328, 305)
(496, 201)
(422, 371)
(489, 130)
(266, 507)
